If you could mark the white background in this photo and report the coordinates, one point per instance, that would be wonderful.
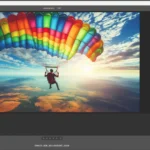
(75, 3)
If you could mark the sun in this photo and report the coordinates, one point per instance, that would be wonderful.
(87, 69)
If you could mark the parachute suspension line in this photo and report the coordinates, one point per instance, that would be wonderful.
(56, 70)
(46, 70)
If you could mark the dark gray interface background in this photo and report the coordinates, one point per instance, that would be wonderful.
(75, 142)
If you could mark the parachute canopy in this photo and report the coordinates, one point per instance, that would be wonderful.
(58, 34)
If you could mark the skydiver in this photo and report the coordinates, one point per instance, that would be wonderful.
(51, 78)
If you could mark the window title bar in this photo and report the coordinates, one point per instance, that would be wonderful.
(75, 8)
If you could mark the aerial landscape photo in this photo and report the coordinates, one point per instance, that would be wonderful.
(69, 62)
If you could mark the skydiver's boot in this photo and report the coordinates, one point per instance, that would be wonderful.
(50, 86)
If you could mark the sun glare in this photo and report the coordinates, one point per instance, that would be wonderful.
(87, 69)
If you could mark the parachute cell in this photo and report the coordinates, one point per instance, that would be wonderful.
(6, 32)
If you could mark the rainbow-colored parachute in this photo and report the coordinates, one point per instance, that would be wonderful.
(58, 34)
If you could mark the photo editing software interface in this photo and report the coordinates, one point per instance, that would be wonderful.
(70, 77)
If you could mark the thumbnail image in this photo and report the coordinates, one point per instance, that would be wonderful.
(69, 62)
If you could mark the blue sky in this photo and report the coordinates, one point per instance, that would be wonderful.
(120, 32)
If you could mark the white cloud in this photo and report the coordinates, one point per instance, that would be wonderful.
(31, 56)
(122, 46)
(6, 58)
(113, 25)
(121, 54)
(1, 16)
(99, 16)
